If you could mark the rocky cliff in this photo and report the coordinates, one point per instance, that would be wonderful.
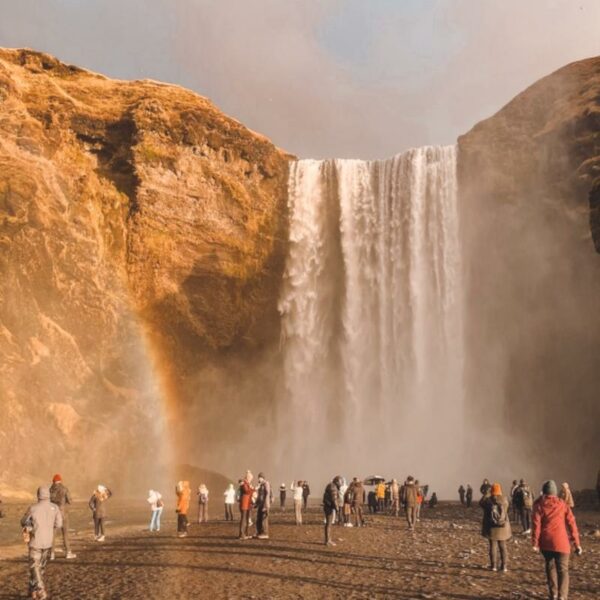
(529, 187)
(141, 249)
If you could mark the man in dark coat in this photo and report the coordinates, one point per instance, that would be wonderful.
(331, 506)
(408, 495)
(461, 494)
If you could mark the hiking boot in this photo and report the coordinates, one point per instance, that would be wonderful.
(262, 536)
(330, 543)
(70, 555)
(101, 538)
(493, 569)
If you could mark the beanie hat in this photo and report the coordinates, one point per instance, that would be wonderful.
(56, 478)
(496, 490)
(549, 488)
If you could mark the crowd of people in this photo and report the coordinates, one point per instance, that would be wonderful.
(548, 519)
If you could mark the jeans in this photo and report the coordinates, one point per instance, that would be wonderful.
(98, 526)
(65, 533)
(557, 574)
(262, 521)
(37, 565)
(381, 504)
(229, 512)
(494, 546)
(359, 519)
(155, 520)
(202, 513)
(525, 514)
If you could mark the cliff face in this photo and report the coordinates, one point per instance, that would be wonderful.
(141, 249)
(529, 178)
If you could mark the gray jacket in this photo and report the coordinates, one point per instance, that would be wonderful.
(42, 518)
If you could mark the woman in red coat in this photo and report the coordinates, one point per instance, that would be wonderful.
(553, 531)
(246, 492)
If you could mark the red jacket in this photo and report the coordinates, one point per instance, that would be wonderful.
(246, 496)
(553, 525)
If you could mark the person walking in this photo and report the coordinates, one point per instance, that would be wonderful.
(263, 506)
(156, 506)
(553, 530)
(297, 491)
(495, 526)
(469, 495)
(202, 503)
(39, 522)
(184, 494)
(246, 493)
(566, 495)
(229, 494)
(282, 496)
(461, 494)
(59, 495)
(408, 495)
(380, 495)
(331, 506)
(305, 494)
(513, 508)
(97, 505)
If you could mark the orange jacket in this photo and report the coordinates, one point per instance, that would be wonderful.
(183, 498)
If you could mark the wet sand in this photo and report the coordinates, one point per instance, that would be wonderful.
(445, 559)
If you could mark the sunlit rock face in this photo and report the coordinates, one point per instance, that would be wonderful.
(528, 185)
(141, 235)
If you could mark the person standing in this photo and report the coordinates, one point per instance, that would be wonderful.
(513, 489)
(433, 500)
(358, 499)
(40, 521)
(485, 487)
(184, 494)
(395, 497)
(380, 495)
(229, 502)
(331, 506)
(553, 530)
(420, 499)
(469, 495)
(305, 494)
(524, 503)
(263, 506)
(566, 495)
(246, 492)
(202, 503)
(282, 496)
(495, 526)
(97, 505)
(156, 506)
(297, 491)
(408, 496)
(59, 495)
(461, 494)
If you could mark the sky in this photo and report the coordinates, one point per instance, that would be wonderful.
(323, 78)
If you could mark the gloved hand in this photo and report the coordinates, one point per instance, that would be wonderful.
(579, 550)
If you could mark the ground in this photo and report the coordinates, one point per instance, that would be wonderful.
(445, 559)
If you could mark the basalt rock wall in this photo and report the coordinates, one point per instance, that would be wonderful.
(529, 181)
(141, 249)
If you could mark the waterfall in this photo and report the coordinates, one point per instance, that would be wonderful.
(371, 311)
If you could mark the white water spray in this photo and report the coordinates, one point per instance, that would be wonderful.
(372, 316)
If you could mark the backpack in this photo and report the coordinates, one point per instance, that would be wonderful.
(527, 499)
(498, 515)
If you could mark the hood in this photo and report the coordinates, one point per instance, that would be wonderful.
(551, 503)
(43, 493)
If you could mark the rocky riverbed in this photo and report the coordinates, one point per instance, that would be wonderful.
(445, 559)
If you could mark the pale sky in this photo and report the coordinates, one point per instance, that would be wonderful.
(345, 78)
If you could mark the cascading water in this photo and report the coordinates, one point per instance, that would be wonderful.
(372, 316)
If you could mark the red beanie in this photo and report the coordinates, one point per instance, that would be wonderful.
(56, 478)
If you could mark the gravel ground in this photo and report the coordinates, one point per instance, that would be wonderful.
(445, 559)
